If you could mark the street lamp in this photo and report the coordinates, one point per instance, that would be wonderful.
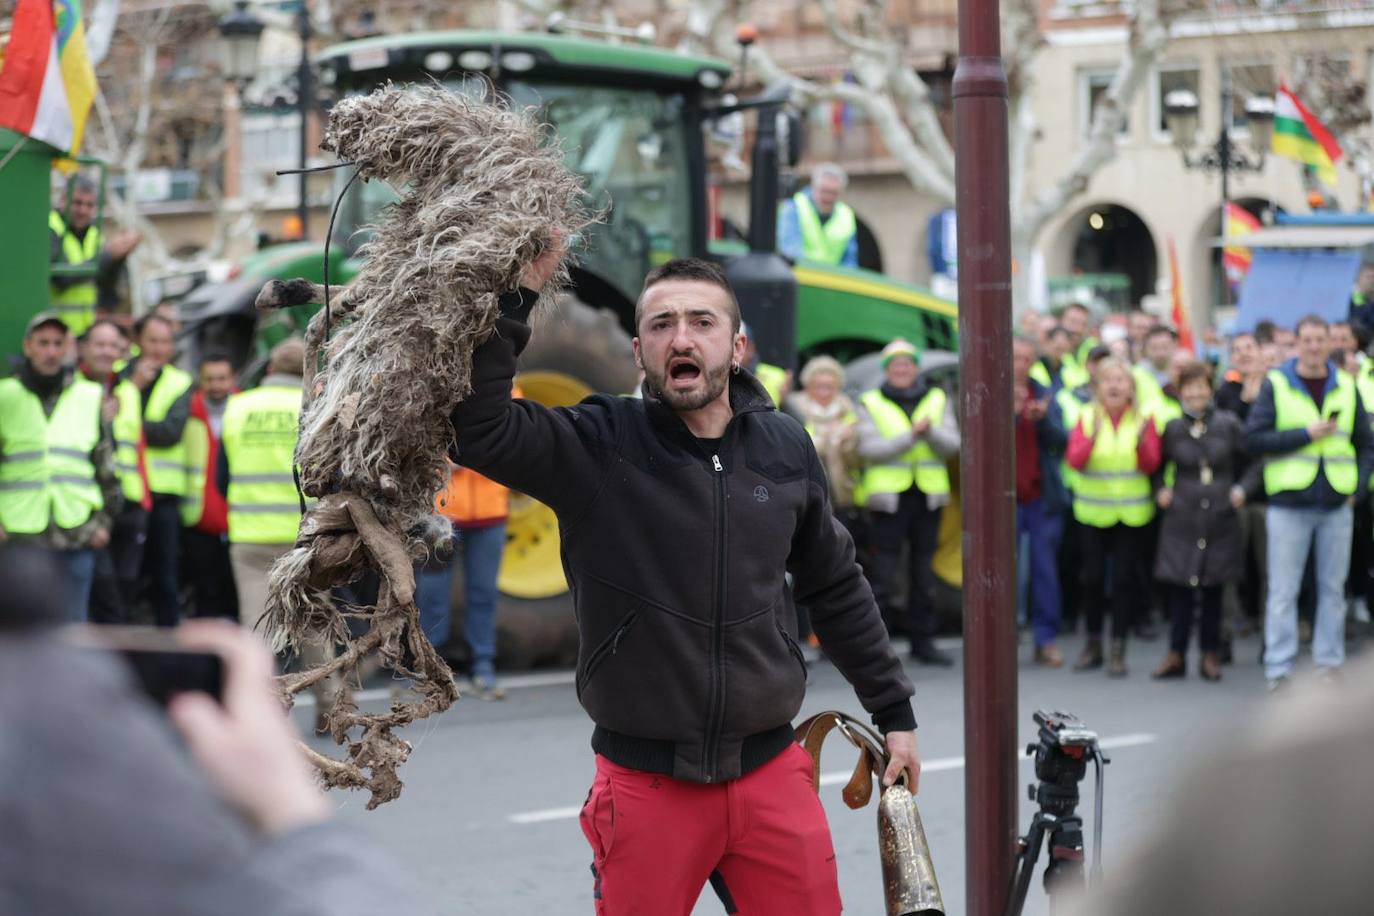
(240, 33)
(1181, 115)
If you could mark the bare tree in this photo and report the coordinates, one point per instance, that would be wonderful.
(890, 92)
(1340, 100)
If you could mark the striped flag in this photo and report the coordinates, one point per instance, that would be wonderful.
(47, 85)
(1236, 258)
(1299, 135)
(1180, 314)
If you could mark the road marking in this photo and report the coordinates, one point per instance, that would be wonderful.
(514, 682)
(937, 765)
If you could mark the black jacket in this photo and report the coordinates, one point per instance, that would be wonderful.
(676, 556)
(1200, 541)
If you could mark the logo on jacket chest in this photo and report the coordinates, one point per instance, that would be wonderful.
(761, 494)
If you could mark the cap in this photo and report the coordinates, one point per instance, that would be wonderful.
(42, 318)
(898, 348)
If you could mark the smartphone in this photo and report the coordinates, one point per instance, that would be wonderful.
(160, 665)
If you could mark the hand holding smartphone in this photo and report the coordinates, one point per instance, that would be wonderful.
(161, 664)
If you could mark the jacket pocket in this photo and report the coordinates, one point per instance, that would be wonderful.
(607, 648)
(792, 646)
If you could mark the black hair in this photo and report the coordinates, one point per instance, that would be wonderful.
(143, 323)
(1264, 332)
(1156, 330)
(1057, 330)
(696, 269)
(216, 356)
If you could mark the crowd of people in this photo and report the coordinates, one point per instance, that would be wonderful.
(1225, 492)
(163, 495)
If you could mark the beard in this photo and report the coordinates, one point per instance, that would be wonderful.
(712, 383)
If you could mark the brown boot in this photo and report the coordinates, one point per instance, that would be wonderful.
(1210, 667)
(1091, 657)
(1117, 666)
(1049, 656)
(1172, 667)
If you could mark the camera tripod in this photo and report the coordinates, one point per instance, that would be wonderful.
(1061, 762)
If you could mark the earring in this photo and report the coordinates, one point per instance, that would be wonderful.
(734, 367)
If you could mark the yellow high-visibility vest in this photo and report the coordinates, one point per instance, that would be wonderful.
(1364, 384)
(128, 430)
(1111, 490)
(46, 474)
(1071, 375)
(167, 464)
(75, 304)
(259, 439)
(825, 242)
(1334, 455)
(919, 465)
(198, 457)
(772, 378)
(1069, 409)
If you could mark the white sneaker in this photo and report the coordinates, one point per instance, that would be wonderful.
(1359, 609)
(1278, 684)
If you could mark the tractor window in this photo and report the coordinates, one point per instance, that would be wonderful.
(631, 146)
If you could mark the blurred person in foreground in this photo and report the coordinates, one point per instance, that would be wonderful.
(110, 809)
(1276, 823)
(1200, 539)
(58, 486)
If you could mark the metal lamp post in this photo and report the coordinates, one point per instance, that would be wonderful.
(987, 474)
(1224, 156)
(240, 37)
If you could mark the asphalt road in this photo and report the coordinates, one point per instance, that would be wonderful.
(488, 817)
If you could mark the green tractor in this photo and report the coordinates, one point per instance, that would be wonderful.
(633, 121)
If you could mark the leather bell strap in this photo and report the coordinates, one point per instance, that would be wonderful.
(873, 758)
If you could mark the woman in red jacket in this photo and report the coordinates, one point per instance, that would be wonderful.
(1114, 448)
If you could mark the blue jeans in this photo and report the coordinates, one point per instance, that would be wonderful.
(481, 549)
(1042, 531)
(1292, 533)
(76, 568)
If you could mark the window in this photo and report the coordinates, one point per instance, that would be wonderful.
(1249, 81)
(1093, 85)
(1170, 79)
(269, 141)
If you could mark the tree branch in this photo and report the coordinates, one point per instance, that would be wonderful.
(1149, 33)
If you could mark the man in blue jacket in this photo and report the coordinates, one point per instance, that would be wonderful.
(1310, 423)
(1040, 496)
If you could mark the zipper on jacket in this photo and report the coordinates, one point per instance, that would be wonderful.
(714, 724)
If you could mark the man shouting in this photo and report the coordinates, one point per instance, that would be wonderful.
(681, 514)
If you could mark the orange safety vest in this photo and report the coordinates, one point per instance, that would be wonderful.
(472, 500)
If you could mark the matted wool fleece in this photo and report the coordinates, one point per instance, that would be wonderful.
(484, 192)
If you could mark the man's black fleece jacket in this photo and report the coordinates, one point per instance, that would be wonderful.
(676, 553)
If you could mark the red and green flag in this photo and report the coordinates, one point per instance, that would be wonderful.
(47, 84)
(1299, 135)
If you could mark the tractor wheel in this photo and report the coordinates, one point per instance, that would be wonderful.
(576, 351)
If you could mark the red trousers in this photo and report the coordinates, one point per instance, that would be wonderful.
(656, 841)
